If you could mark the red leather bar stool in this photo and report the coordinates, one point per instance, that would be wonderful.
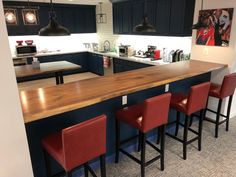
(149, 115)
(77, 145)
(221, 92)
(194, 102)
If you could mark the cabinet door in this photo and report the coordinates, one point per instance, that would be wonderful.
(177, 17)
(151, 11)
(117, 18)
(137, 12)
(68, 18)
(126, 18)
(96, 64)
(90, 19)
(163, 17)
(189, 14)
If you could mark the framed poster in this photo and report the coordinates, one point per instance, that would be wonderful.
(11, 16)
(217, 30)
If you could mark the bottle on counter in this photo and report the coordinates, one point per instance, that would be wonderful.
(35, 63)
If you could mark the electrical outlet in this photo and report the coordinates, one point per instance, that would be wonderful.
(167, 86)
(124, 100)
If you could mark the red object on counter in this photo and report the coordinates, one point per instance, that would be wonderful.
(106, 62)
(19, 43)
(29, 42)
(157, 54)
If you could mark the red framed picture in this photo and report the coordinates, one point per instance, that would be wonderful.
(217, 30)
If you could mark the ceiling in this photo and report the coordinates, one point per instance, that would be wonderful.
(88, 2)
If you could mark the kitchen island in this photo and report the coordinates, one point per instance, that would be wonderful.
(51, 109)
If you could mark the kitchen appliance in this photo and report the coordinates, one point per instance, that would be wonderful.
(150, 52)
(29, 49)
(157, 54)
(126, 51)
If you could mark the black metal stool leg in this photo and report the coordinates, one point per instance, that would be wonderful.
(86, 171)
(205, 111)
(185, 137)
(143, 147)
(117, 141)
(218, 118)
(68, 174)
(200, 130)
(163, 129)
(228, 112)
(139, 141)
(159, 131)
(47, 163)
(191, 121)
(177, 123)
(103, 165)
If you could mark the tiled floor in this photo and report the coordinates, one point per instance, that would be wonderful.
(30, 85)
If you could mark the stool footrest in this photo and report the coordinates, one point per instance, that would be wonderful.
(192, 140)
(216, 112)
(130, 156)
(180, 140)
(153, 146)
(214, 122)
(190, 129)
(152, 160)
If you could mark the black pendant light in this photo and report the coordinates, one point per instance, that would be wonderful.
(53, 28)
(145, 26)
(199, 24)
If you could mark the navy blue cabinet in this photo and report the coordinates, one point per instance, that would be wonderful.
(96, 64)
(120, 65)
(170, 17)
(77, 18)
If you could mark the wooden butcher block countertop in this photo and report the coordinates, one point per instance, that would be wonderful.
(45, 102)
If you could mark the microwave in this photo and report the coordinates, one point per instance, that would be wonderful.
(126, 51)
(26, 50)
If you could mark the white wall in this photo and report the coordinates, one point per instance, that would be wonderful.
(74, 42)
(224, 55)
(14, 153)
(105, 32)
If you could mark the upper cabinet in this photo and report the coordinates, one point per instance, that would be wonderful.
(77, 18)
(170, 17)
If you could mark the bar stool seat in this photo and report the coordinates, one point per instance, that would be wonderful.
(151, 114)
(131, 115)
(179, 101)
(226, 89)
(215, 90)
(75, 146)
(53, 145)
(189, 104)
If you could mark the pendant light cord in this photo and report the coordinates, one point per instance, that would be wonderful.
(202, 5)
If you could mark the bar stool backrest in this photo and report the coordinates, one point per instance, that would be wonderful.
(197, 98)
(156, 112)
(84, 141)
(228, 85)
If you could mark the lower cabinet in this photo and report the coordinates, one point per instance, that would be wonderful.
(95, 64)
(120, 65)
